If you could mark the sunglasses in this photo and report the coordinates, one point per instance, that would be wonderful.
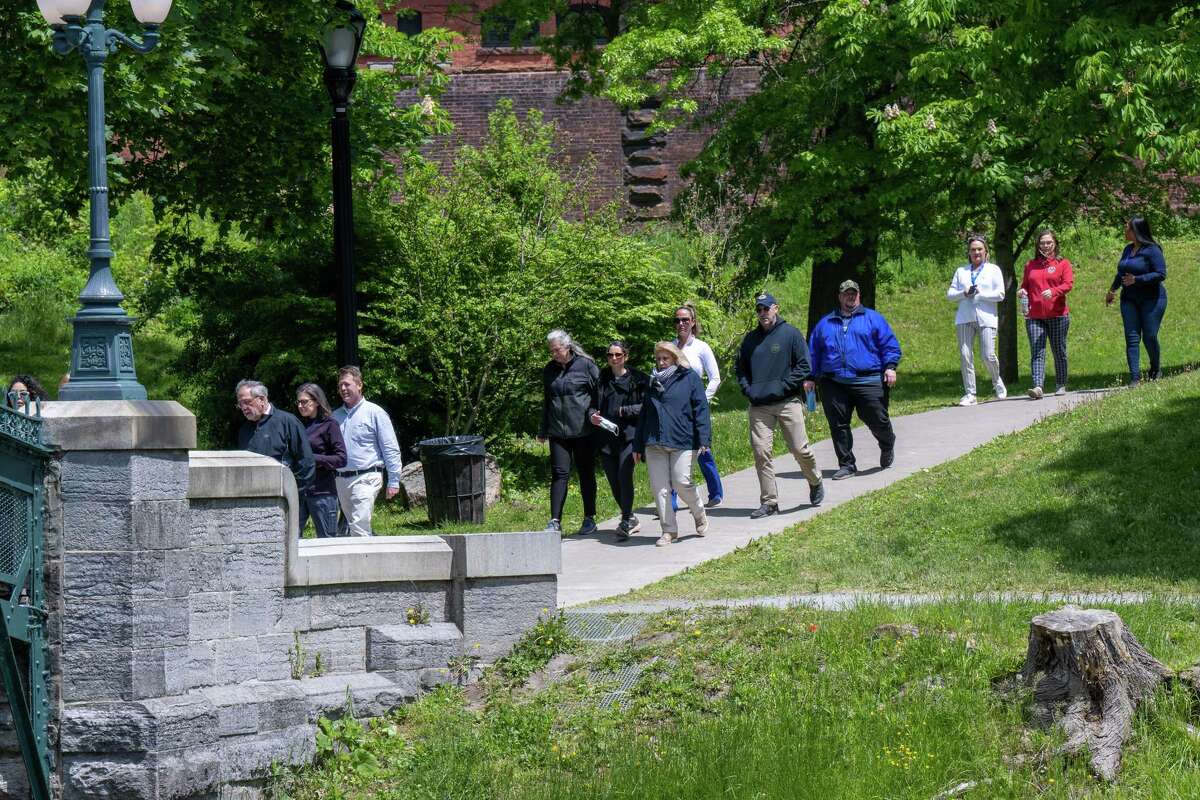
(679, 320)
(617, 354)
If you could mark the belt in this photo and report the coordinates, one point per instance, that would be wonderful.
(350, 473)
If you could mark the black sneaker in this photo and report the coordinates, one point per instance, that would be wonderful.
(887, 457)
(816, 493)
(764, 510)
(623, 530)
(844, 472)
(588, 526)
(714, 502)
(553, 525)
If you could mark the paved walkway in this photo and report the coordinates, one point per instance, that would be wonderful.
(596, 567)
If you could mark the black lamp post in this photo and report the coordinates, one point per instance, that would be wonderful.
(339, 52)
(102, 347)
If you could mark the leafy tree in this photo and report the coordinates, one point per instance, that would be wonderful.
(228, 117)
(923, 118)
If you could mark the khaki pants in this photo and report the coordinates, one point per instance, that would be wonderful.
(356, 495)
(788, 415)
(673, 468)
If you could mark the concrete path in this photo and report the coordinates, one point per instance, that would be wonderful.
(600, 566)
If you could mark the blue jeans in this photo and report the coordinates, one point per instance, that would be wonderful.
(323, 508)
(1141, 317)
(712, 479)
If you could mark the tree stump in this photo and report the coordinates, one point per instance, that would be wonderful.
(1091, 674)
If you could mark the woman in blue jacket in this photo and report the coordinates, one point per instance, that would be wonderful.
(1140, 274)
(672, 430)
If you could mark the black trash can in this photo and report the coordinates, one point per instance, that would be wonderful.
(455, 478)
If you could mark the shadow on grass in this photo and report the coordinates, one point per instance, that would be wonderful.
(1134, 502)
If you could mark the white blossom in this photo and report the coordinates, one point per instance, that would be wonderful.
(930, 122)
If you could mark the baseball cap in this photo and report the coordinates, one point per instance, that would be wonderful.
(765, 299)
(847, 285)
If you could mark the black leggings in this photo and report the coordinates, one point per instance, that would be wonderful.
(562, 451)
(618, 468)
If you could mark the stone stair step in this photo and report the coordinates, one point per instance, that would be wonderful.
(371, 693)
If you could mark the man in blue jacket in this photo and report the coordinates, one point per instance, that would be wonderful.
(772, 365)
(855, 355)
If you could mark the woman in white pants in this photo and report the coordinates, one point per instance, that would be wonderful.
(672, 429)
(977, 287)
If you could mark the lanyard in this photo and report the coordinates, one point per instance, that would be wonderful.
(975, 273)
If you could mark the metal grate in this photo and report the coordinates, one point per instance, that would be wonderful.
(14, 529)
(625, 678)
(605, 628)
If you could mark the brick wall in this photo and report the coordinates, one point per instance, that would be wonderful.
(625, 163)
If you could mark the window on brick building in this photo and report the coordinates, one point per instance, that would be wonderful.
(408, 22)
(583, 20)
(501, 31)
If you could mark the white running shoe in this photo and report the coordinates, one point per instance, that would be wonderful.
(1035, 393)
(1060, 391)
(1001, 392)
(967, 400)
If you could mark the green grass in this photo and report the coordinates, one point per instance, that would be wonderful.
(929, 375)
(1100, 497)
(773, 704)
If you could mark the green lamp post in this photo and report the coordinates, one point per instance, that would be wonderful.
(102, 366)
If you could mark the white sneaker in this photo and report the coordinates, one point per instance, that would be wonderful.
(1060, 391)
(1035, 393)
(967, 400)
(701, 525)
(1001, 392)
(664, 540)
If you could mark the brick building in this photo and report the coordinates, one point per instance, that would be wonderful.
(628, 164)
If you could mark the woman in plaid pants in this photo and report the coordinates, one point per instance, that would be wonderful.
(1047, 280)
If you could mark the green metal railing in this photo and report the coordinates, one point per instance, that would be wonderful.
(23, 460)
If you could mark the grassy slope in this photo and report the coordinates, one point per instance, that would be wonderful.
(777, 704)
(929, 375)
(1101, 497)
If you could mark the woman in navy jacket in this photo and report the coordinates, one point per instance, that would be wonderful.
(1140, 274)
(329, 453)
(673, 428)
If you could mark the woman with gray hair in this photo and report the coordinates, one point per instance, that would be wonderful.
(570, 384)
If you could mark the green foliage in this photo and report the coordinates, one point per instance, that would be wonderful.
(548, 638)
(488, 259)
(227, 117)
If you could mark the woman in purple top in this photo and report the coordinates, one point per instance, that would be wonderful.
(329, 451)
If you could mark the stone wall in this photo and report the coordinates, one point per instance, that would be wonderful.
(195, 642)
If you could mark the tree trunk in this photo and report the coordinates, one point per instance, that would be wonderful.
(857, 263)
(1005, 256)
(1091, 673)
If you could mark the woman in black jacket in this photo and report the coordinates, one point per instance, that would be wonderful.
(329, 452)
(569, 384)
(621, 391)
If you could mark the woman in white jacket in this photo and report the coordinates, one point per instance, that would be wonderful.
(977, 287)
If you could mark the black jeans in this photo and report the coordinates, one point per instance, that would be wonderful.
(562, 452)
(840, 400)
(618, 468)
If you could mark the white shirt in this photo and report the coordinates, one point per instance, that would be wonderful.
(701, 357)
(981, 308)
(370, 439)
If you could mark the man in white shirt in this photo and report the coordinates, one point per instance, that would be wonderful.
(371, 447)
(700, 355)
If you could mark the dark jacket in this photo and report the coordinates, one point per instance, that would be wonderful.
(329, 451)
(674, 414)
(773, 365)
(620, 400)
(281, 436)
(1148, 268)
(568, 394)
(863, 346)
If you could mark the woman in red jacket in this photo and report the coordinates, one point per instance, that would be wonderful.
(1047, 280)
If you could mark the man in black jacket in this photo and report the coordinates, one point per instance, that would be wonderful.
(772, 365)
(270, 431)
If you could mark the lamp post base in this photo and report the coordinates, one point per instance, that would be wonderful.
(102, 360)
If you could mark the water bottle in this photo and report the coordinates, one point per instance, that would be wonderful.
(810, 400)
(1023, 302)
